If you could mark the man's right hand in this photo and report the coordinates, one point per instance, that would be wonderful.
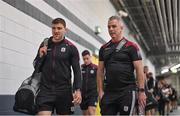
(42, 51)
(142, 99)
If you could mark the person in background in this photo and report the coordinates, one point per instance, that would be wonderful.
(166, 91)
(161, 99)
(89, 85)
(172, 98)
(150, 82)
(146, 72)
(150, 87)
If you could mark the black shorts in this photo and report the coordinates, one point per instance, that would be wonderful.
(88, 101)
(59, 101)
(122, 103)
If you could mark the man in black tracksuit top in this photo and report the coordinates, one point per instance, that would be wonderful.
(56, 89)
(118, 68)
(89, 85)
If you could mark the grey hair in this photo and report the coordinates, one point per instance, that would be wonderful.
(115, 17)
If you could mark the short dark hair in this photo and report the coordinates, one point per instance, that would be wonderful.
(85, 52)
(59, 20)
(150, 73)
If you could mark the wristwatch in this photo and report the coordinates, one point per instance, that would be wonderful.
(141, 90)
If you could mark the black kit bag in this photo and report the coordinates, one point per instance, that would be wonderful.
(27, 92)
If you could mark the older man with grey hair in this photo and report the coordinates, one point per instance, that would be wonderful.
(118, 59)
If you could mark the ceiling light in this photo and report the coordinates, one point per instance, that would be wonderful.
(164, 71)
(175, 67)
(97, 30)
(174, 70)
(122, 13)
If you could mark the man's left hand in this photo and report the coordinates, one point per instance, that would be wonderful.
(142, 99)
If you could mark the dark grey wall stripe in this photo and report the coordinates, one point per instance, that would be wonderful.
(6, 107)
(35, 13)
(64, 11)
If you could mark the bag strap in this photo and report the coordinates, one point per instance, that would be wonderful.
(41, 60)
(117, 49)
(45, 42)
(120, 45)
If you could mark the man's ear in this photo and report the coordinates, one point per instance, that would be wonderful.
(122, 27)
(66, 29)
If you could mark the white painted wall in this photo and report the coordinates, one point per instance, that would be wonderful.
(48, 10)
(92, 13)
(20, 36)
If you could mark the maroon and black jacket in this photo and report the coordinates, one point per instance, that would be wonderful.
(56, 68)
